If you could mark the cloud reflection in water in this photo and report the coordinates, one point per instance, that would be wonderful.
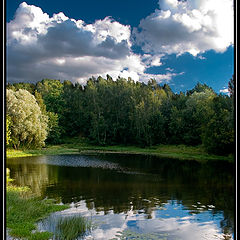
(171, 222)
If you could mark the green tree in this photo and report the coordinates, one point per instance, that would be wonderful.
(231, 86)
(199, 88)
(29, 125)
(218, 133)
(40, 102)
(231, 89)
(8, 130)
(72, 120)
(176, 123)
(128, 112)
(196, 114)
(27, 86)
(54, 131)
(52, 94)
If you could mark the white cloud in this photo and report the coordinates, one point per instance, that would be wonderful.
(169, 69)
(57, 47)
(201, 57)
(152, 60)
(160, 77)
(40, 46)
(187, 26)
(156, 62)
(225, 91)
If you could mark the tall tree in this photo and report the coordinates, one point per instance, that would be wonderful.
(52, 94)
(218, 133)
(29, 125)
(231, 86)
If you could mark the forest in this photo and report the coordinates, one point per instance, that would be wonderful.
(121, 111)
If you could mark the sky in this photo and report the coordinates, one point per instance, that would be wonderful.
(178, 42)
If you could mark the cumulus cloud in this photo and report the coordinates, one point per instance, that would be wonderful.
(187, 26)
(40, 46)
(152, 60)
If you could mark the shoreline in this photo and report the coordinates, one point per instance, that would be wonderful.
(180, 152)
(24, 210)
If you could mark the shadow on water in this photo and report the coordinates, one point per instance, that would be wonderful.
(141, 185)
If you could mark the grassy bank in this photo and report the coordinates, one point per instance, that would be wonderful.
(181, 152)
(75, 146)
(23, 211)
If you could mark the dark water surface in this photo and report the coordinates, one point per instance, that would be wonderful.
(136, 197)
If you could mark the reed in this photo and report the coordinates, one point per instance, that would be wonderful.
(72, 227)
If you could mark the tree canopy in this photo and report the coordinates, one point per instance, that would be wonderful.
(123, 112)
(28, 125)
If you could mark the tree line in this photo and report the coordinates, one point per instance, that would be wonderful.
(123, 111)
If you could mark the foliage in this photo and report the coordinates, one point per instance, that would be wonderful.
(30, 87)
(231, 86)
(8, 130)
(108, 112)
(52, 94)
(54, 131)
(29, 125)
(196, 113)
(218, 134)
(40, 102)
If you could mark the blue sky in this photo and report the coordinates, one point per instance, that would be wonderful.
(124, 11)
(175, 42)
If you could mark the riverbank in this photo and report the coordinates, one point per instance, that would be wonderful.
(76, 146)
(23, 210)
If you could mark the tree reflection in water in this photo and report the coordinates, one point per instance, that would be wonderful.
(141, 184)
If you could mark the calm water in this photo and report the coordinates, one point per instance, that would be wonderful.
(129, 197)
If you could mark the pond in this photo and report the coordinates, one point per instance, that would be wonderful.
(135, 196)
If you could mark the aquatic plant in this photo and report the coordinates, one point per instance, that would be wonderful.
(72, 227)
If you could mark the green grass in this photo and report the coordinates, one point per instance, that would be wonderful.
(11, 153)
(78, 145)
(50, 150)
(23, 211)
(181, 152)
(69, 228)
